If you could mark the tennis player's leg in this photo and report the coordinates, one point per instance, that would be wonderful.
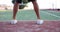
(36, 9)
(15, 9)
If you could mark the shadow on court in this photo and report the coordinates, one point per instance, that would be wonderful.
(30, 26)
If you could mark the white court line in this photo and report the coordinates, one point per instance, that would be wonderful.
(50, 14)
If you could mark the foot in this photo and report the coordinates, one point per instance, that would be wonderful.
(13, 21)
(40, 21)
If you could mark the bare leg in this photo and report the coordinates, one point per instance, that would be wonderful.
(36, 9)
(15, 9)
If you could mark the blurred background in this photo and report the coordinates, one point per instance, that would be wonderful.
(43, 4)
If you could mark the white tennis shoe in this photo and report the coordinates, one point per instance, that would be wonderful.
(40, 21)
(13, 21)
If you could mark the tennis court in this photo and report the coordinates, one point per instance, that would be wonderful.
(30, 15)
(30, 26)
(27, 21)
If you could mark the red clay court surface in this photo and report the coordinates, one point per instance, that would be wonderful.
(30, 26)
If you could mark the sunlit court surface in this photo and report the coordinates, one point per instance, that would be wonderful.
(27, 21)
(49, 11)
(30, 26)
